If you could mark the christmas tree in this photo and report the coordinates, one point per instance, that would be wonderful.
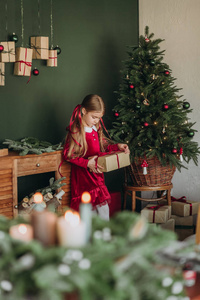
(150, 115)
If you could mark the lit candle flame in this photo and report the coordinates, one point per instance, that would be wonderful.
(22, 229)
(38, 198)
(72, 218)
(86, 197)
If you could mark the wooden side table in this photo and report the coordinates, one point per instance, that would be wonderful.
(131, 191)
(13, 166)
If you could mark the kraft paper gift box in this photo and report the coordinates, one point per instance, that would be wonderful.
(113, 161)
(185, 232)
(23, 61)
(8, 54)
(40, 46)
(158, 213)
(183, 221)
(184, 209)
(169, 225)
(52, 59)
(2, 74)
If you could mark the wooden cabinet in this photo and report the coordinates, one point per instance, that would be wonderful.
(13, 166)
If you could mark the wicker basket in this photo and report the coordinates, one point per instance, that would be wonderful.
(157, 174)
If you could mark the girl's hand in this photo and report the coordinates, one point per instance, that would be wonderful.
(124, 147)
(92, 165)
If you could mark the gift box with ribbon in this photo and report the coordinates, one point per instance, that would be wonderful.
(2, 74)
(156, 213)
(8, 54)
(169, 225)
(183, 221)
(113, 161)
(23, 61)
(40, 46)
(52, 59)
(182, 207)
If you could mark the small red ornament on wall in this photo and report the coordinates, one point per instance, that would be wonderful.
(36, 72)
(1, 48)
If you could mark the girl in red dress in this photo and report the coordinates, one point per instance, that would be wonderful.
(84, 140)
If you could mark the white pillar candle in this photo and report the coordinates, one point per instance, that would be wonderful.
(23, 232)
(44, 227)
(60, 194)
(71, 231)
(86, 213)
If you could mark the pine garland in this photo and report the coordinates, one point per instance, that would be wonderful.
(32, 145)
(118, 264)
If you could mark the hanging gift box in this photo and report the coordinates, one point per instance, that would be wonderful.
(8, 54)
(40, 46)
(23, 61)
(182, 207)
(2, 74)
(114, 161)
(156, 213)
(52, 60)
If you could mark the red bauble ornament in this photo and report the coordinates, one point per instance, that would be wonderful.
(116, 114)
(146, 124)
(36, 72)
(1, 48)
(165, 106)
(147, 40)
(131, 86)
(174, 150)
(167, 72)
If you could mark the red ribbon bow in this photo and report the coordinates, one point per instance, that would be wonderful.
(154, 208)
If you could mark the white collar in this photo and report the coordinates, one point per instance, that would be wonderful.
(89, 129)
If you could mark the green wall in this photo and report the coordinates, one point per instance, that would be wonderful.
(93, 36)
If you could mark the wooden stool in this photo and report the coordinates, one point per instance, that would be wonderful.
(131, 191)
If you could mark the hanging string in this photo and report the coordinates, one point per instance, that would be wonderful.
(51, 19)
(6, 17)
(22, 22)
(39, 23)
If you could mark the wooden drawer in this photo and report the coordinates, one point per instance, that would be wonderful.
(36, 165)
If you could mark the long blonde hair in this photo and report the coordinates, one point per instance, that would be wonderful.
(75, 144)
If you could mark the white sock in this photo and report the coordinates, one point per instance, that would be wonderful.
(103, 212)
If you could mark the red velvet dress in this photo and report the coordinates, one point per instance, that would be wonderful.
(83, 180)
